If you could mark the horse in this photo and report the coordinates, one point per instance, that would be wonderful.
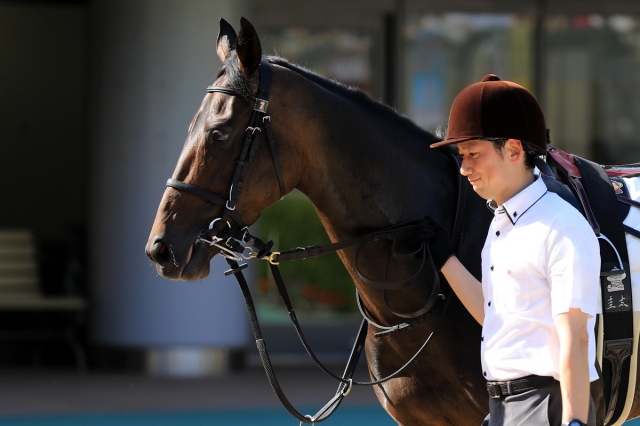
(364, 167)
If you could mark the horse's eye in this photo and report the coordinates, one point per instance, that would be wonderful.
(217, 136)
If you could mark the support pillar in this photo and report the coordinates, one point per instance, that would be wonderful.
(150, 64)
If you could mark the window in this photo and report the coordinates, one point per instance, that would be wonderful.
(447, 52)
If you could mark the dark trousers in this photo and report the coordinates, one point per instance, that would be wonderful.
(537, 407)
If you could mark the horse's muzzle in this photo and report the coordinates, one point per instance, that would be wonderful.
(159, 252)
(187, 263)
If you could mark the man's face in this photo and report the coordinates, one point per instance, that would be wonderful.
(486, 169)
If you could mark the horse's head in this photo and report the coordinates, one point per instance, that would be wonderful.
(210, 160)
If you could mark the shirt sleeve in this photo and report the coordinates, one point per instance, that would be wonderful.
(573, 267)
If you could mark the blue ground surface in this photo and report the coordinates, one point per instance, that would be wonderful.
(370, 416)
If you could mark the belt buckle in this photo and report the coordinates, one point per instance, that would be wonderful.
(494, 391)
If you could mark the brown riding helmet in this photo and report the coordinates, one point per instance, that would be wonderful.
(494, 108)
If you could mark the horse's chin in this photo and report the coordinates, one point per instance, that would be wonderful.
(196, 265)
(199, 261)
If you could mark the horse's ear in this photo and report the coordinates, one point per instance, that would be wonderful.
(248, 48)
(226, 40)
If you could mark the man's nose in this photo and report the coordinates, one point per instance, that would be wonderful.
(465, 170)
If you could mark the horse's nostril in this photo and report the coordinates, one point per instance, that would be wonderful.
(159, 252)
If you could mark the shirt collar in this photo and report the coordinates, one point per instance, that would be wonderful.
(518, 205)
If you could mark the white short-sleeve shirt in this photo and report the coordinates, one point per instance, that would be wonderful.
(540, 259)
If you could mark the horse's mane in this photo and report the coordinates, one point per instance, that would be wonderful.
(239, 81)
(355, 95)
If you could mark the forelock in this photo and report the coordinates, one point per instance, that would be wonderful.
(236, 79)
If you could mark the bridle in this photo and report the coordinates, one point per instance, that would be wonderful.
(234, 241)
(222, 226)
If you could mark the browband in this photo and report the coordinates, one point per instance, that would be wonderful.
(224, 89)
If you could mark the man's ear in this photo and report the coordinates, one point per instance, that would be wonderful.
(515, 149)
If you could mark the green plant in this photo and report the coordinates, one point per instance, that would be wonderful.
(314, 284)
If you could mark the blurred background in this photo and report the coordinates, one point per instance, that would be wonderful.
(95, 101)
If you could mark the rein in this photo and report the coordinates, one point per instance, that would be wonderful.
(233, 245)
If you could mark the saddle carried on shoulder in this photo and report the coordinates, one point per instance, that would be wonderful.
(605, 196)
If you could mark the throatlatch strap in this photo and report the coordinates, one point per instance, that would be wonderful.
(615, 287)
(266, 122)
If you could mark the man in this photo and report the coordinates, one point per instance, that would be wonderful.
(540, 265)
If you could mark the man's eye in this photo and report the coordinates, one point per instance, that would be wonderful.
(217, 136)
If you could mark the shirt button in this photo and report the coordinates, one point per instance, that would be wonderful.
(489, 303)
(515, 214)
(482, 339)
(497, 233)
(491, 267)
(484, 373)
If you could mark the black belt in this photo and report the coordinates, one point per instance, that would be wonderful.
(515, 387)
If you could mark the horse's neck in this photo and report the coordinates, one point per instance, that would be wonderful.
(362, 168)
